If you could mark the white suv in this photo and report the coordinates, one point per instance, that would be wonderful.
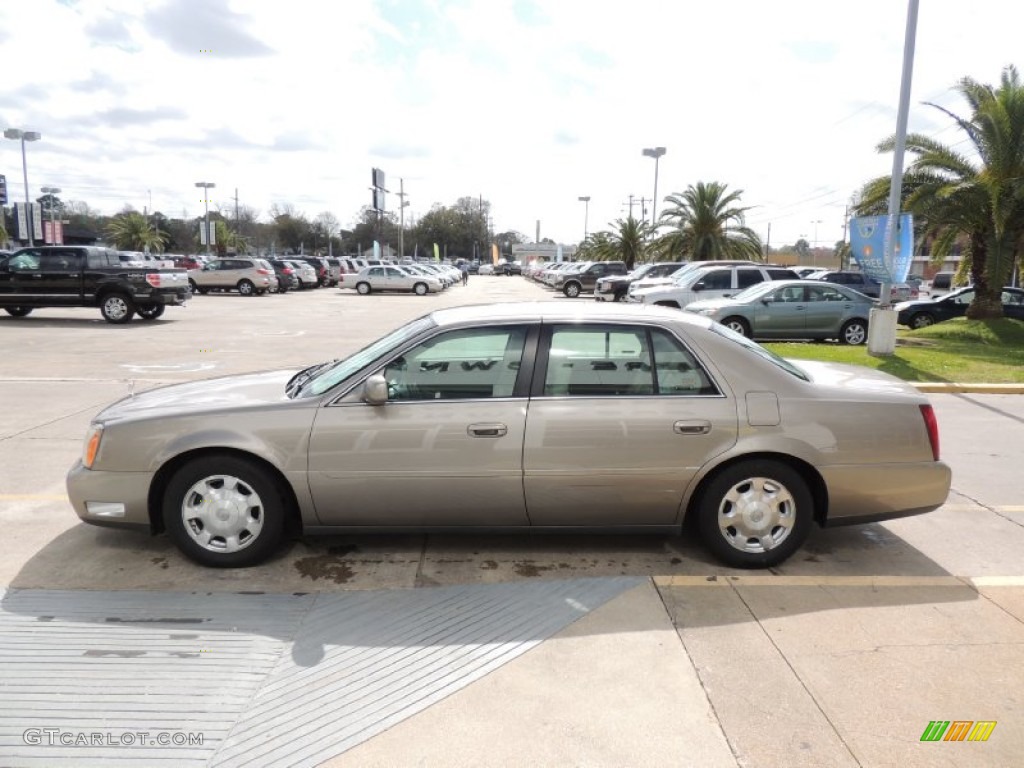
(711, 282)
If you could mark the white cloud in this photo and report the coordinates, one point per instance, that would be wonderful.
(528, 104)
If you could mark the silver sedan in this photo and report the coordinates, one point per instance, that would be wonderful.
(519, 416)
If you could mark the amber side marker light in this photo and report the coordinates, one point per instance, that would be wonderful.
(92, 447)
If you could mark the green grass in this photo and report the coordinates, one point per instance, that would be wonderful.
(963, 351)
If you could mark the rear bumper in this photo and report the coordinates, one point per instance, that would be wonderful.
(868, 493)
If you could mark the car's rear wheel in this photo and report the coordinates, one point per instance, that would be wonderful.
(150, 311)
(755, 514)
(854, 332)
(246, 288)
(921, 320)
(363, 288)
(116, 308)
(194, 287)
(223, 511)
(572, 290)
(420, 289)
(261, 291)
(738, 325)
(18, 311)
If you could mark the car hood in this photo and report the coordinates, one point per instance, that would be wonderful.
(855, 381)
(225, 393)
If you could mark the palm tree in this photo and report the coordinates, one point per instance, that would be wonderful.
(627, 242)
(131, 231)
(977, 197)
(706, 223)
(227, 240)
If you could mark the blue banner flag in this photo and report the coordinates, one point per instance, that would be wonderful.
(869, 236)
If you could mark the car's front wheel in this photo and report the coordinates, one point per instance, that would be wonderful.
(921, 320)
(572, 290)
(420, 289)
(737, 325)
(223, 511)
(150, 311)
(755, 514)
(18, 311)
(854, 332)
(116, 308)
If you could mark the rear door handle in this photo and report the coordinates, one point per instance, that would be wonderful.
(692, 427)
(487, 430)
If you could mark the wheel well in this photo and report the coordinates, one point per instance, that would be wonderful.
(105, 291)
(154, 501)
(815, 483)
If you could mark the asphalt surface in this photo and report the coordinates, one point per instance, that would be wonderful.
(842, 656)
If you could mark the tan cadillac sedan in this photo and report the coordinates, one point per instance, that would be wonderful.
(513, 417)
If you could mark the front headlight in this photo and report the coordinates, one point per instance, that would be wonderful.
(92, 445)
(707, 311)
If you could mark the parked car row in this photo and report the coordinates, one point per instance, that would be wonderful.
(253, 276)
(574, 278)
(418, 278)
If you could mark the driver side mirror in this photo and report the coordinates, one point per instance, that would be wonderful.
(768, 300)
(375, 390)
(699, 286)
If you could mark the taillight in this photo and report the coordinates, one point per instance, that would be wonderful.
(287, 270)
(261, 271)
(154, 279)
(933, 429)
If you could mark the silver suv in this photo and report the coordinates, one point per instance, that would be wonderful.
(248, 276)
(711, 282)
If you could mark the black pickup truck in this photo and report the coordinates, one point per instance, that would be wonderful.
(87, 276)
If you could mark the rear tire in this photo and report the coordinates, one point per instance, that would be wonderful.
(854, 332)
(363, 288)
(151, 311)
(18, 311)
(921, 320)
(246, 288)
(116, 308)
(755, 514)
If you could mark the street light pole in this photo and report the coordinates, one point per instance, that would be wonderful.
(53, 219)
(656, 153)
(206, 186)
(17, 133)
(585, 199)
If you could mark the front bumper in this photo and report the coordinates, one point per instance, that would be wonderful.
(110, 499)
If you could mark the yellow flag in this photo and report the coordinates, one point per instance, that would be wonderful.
(494, 253)
(437, 253)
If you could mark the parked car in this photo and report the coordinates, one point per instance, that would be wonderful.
(527, 416)
(88, 276)
(509, 268)
(320, 266)
(709, 282)
(616, 287)
(391, 278)
(788, 309)
(305, 274)
(921, 314)
(248, 276)
(941, 284)
(286, 277)
(807, 272)
(858, 281)
(687, 267)
(584, 278)
(485, 269)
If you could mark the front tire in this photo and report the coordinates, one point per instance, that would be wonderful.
(572, 290)
(854, 332)
(921, 320)
(151, 312)
(223, 511)
(246, 288)
(755, 514)
(116, 308)
(420, 289)
(737, 325)
(18, 311)
(363, 288)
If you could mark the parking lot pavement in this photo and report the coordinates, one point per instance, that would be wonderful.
(842, 656)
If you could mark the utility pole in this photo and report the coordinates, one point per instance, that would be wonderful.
(238, 231)
(401, 218)
(768, 242)
(846, 221)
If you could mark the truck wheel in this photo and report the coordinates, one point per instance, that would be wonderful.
(246, 288)
(17, 311)
(116, 308)
(150, 311)
(572, 290)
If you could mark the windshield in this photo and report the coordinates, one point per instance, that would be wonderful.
(755, 291)
(351, 365)
(760, 351)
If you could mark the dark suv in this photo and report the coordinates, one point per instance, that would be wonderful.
(616, 287)
(864, 284)
(286, 277)
(573, 282)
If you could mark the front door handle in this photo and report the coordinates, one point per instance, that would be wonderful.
(487, 430)
(692, 427)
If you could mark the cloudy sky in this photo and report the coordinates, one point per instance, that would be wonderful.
(529, 104)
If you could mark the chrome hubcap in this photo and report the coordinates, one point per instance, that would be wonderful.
(855, 334)
(222, 513)
(756, 515)
(116, 308)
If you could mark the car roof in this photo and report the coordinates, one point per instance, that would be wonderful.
(562, 311)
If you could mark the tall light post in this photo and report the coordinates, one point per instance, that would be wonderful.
(816, 222)
(206, 186)
(53, 219)
(656, 153)
(585, 199)
(16, 134)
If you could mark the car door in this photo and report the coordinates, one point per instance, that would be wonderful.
(620, 419)
(1013, 304)
(24, 277)
(60, 276)
(446, 449)
(396, 279)
(783, 316)
(826, 308)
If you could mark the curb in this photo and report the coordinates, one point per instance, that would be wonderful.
(943, 387)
